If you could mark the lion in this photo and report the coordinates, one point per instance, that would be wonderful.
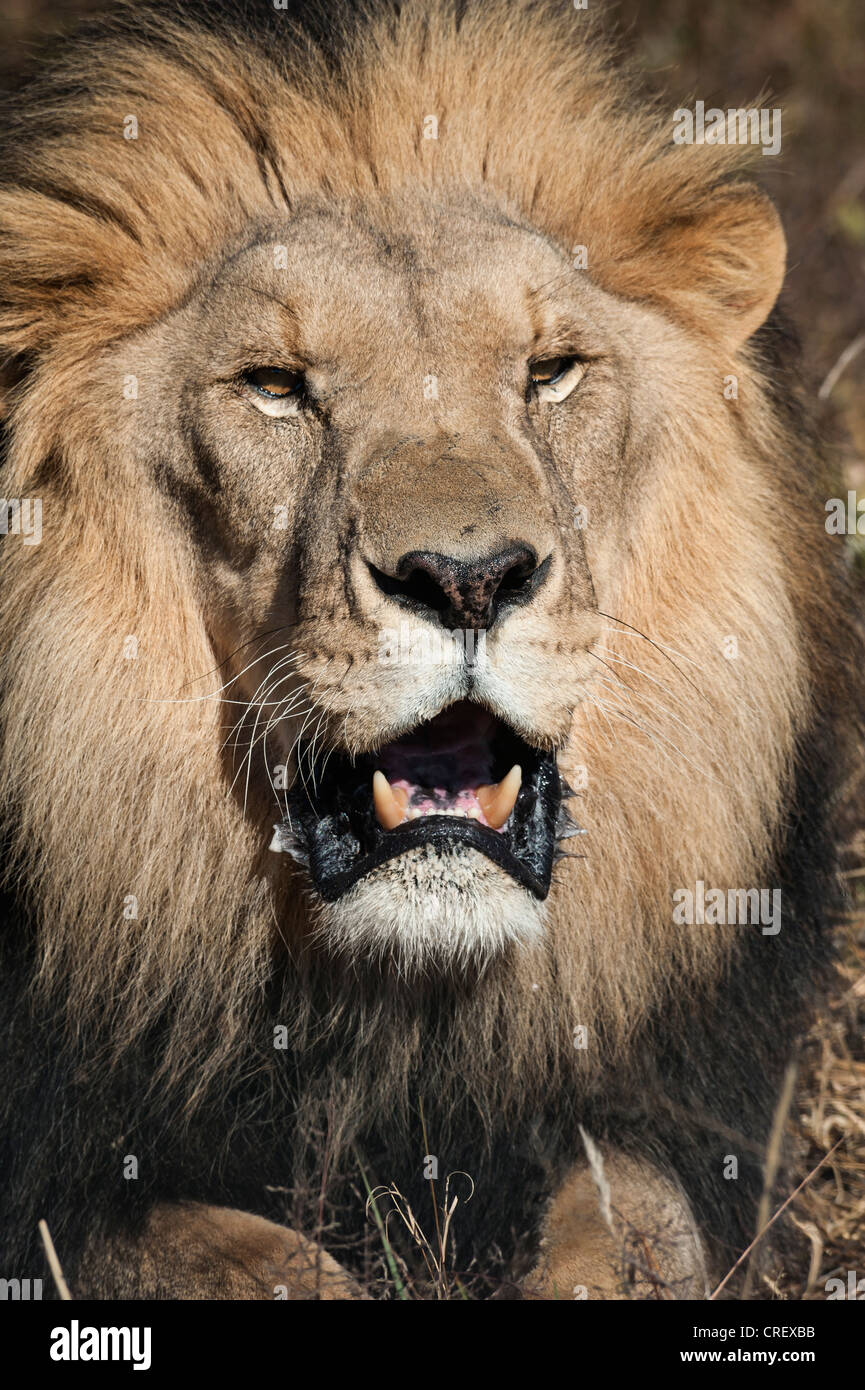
(424, 710)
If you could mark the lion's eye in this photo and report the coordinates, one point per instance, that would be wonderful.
(554, 378)
(274, 390)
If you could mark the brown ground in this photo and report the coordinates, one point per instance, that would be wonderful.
(811, 58)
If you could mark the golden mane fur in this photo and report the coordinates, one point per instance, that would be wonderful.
(113, 783)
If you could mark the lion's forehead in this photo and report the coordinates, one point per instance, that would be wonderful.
(444, 272)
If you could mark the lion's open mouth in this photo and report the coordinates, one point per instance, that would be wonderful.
(463, 778)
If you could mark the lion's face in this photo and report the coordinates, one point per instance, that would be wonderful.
(396, 437)
(376, 511)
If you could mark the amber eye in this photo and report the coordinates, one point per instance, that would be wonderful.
(274, 381)
(554, 378)
(548, 372)
(274, 390)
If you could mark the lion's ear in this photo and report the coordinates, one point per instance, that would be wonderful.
(726, 263)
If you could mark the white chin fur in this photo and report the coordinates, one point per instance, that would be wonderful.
(429, 910)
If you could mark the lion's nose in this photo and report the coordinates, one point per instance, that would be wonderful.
(464, 593)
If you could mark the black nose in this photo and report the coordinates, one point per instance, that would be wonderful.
(464, 594)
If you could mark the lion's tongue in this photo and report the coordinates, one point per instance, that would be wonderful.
(402, 800)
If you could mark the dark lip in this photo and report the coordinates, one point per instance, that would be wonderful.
(332, 830)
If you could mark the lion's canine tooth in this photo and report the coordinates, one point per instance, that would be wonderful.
(390, 803)
(498, 800)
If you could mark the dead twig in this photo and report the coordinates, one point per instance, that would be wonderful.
(53, 1263)
(773, 1159)
(759, 1236)
(847, 356)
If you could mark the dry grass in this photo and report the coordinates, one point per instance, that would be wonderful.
(830, 1105)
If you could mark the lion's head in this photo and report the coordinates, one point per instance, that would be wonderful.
(395, 495)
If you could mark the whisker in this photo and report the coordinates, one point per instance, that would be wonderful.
(215, 694)
(657, 737)
(654, 706)
(260, 638)
(658, 647)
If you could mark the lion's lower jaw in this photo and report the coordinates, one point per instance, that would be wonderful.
(432, 910)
